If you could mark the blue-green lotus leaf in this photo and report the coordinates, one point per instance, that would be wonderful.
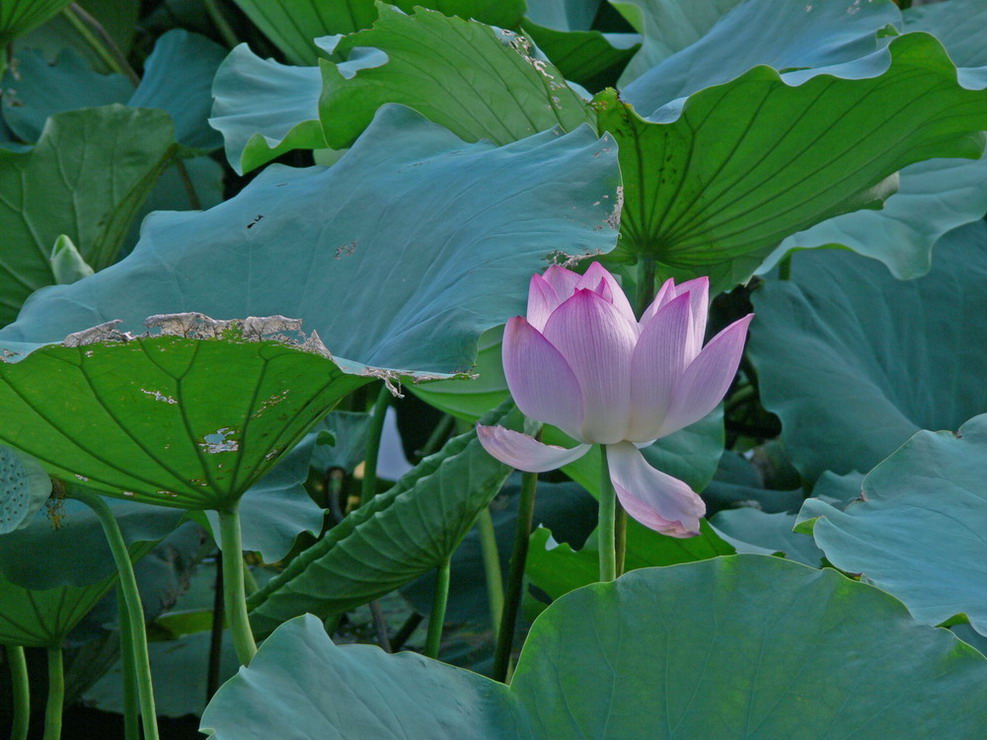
(323, 244)
(739, 646)
(920, 531)
(264, 109)
(854, 361)
(777, 33)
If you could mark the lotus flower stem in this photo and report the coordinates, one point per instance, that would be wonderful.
(56, 695)
(134, 609)
(234, 595)
(128, 669)
(216, 632)
(369, 487)
(491, 566)
(619, 537)
(515, 578)
(437, 438)
(437, 618)
(22, 692)
(606, 522)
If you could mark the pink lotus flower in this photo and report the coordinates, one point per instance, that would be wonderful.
(581, 361)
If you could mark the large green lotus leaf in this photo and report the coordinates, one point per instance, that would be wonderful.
(854, 361)
(920, 532)
(300, 680)
(17, 17)
(55, 570)
(24, 488)
(562, 29)
(177, 421)
(705, 649)
(264, 109)
(777, 33)
(463, 267)
(41, 90)
(557, 568)
(667, 26)
(178, 78)
(114, 153)
(484, 85)
(933, 198)
(738, 167)
(744, 646)
(42, 618)
(293, 24)
(953, 23)
(398, 536)
(503, 13)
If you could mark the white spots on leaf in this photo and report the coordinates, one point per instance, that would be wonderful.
(129, 494)
(271, 401)
(220, 441)
(82, 478)
(159, 396)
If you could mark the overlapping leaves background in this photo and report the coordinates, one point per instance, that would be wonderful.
(821, 161)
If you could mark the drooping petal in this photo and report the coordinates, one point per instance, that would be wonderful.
(659, 501)
(598, 343)
(657, 364)
(562, 280)
(614, 293)
(523, 452)
(707, 378)
(542, 300)
(541, 381)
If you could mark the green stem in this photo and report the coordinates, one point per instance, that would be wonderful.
(515, 578)
(491, 567)
(132, 599)
(128, 665)
(437, 618)
(234, 596)
(619, 537)
(101, 42)
(222, 25)
(22, 692)
(645, 284)
(193, 197)
(607, 521)
(250, 586)
(437, 437)
(216, 633)
(368, 488)
(56, 695)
